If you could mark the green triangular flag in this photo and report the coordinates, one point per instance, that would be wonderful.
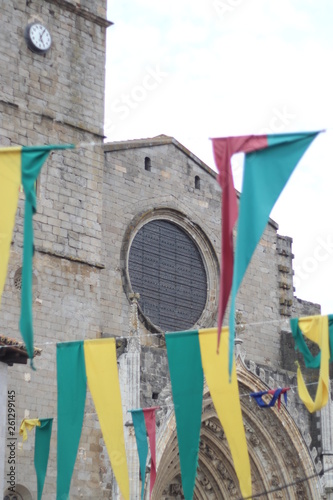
(142, 444)
(72, 388)
(266, 172)
(186, 376)
(42, 449)
(32, 160)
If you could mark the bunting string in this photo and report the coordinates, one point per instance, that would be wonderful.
(288, 485)
(87, 368)
(171, 405)
(161, 334)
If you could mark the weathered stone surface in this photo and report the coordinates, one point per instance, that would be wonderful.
(91, 201)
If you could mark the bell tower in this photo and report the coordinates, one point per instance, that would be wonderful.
(52, 91)
(52, 59)
(53, 72)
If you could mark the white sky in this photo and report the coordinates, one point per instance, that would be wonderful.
(195, 69)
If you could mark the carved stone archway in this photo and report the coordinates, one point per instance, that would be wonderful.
(280, 459)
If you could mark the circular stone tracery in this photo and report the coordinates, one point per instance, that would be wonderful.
(167, 270)
(202, 312)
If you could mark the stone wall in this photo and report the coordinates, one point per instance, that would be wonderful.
(265, 299)
(169, 185)
(91, 201)
(56, 98)
(154, 376)
(67, 83)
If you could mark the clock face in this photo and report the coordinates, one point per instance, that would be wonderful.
(38, 38)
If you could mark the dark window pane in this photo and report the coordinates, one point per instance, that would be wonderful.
(166, 269)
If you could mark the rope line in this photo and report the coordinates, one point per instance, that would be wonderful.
(288, 485)
(156, 334)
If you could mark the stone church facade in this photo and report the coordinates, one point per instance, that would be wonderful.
(127, 244)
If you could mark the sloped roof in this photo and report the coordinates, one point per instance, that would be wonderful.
(13, 351)
(159, 140)
(162, 140)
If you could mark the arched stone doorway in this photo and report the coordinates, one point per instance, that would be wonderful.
(279, 457)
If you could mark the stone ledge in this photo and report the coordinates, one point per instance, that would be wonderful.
(81, 11)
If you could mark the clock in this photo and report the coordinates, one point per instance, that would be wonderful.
(38, 38)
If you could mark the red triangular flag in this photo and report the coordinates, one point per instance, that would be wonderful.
(149, 414)
(223, 149)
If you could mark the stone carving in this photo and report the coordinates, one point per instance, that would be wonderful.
(307, 438)
(208, 406)
(240, 327)
(253, 438)
(319, 466)
(291, 380)
(174, 490)
(134, 338)
(239, 353)
(329, 460)
(274, 481)
(252, 367)
(215, 428)
(220, 468)
(204, 481)
(262, 375)
(301, 492)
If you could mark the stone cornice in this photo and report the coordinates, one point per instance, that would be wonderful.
(82, 12)
(160, 140)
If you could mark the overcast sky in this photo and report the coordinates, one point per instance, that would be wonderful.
(195, 69)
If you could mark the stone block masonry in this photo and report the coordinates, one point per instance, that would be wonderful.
(50, 99)
(91, 201)
(67, 83)
(170, 185)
